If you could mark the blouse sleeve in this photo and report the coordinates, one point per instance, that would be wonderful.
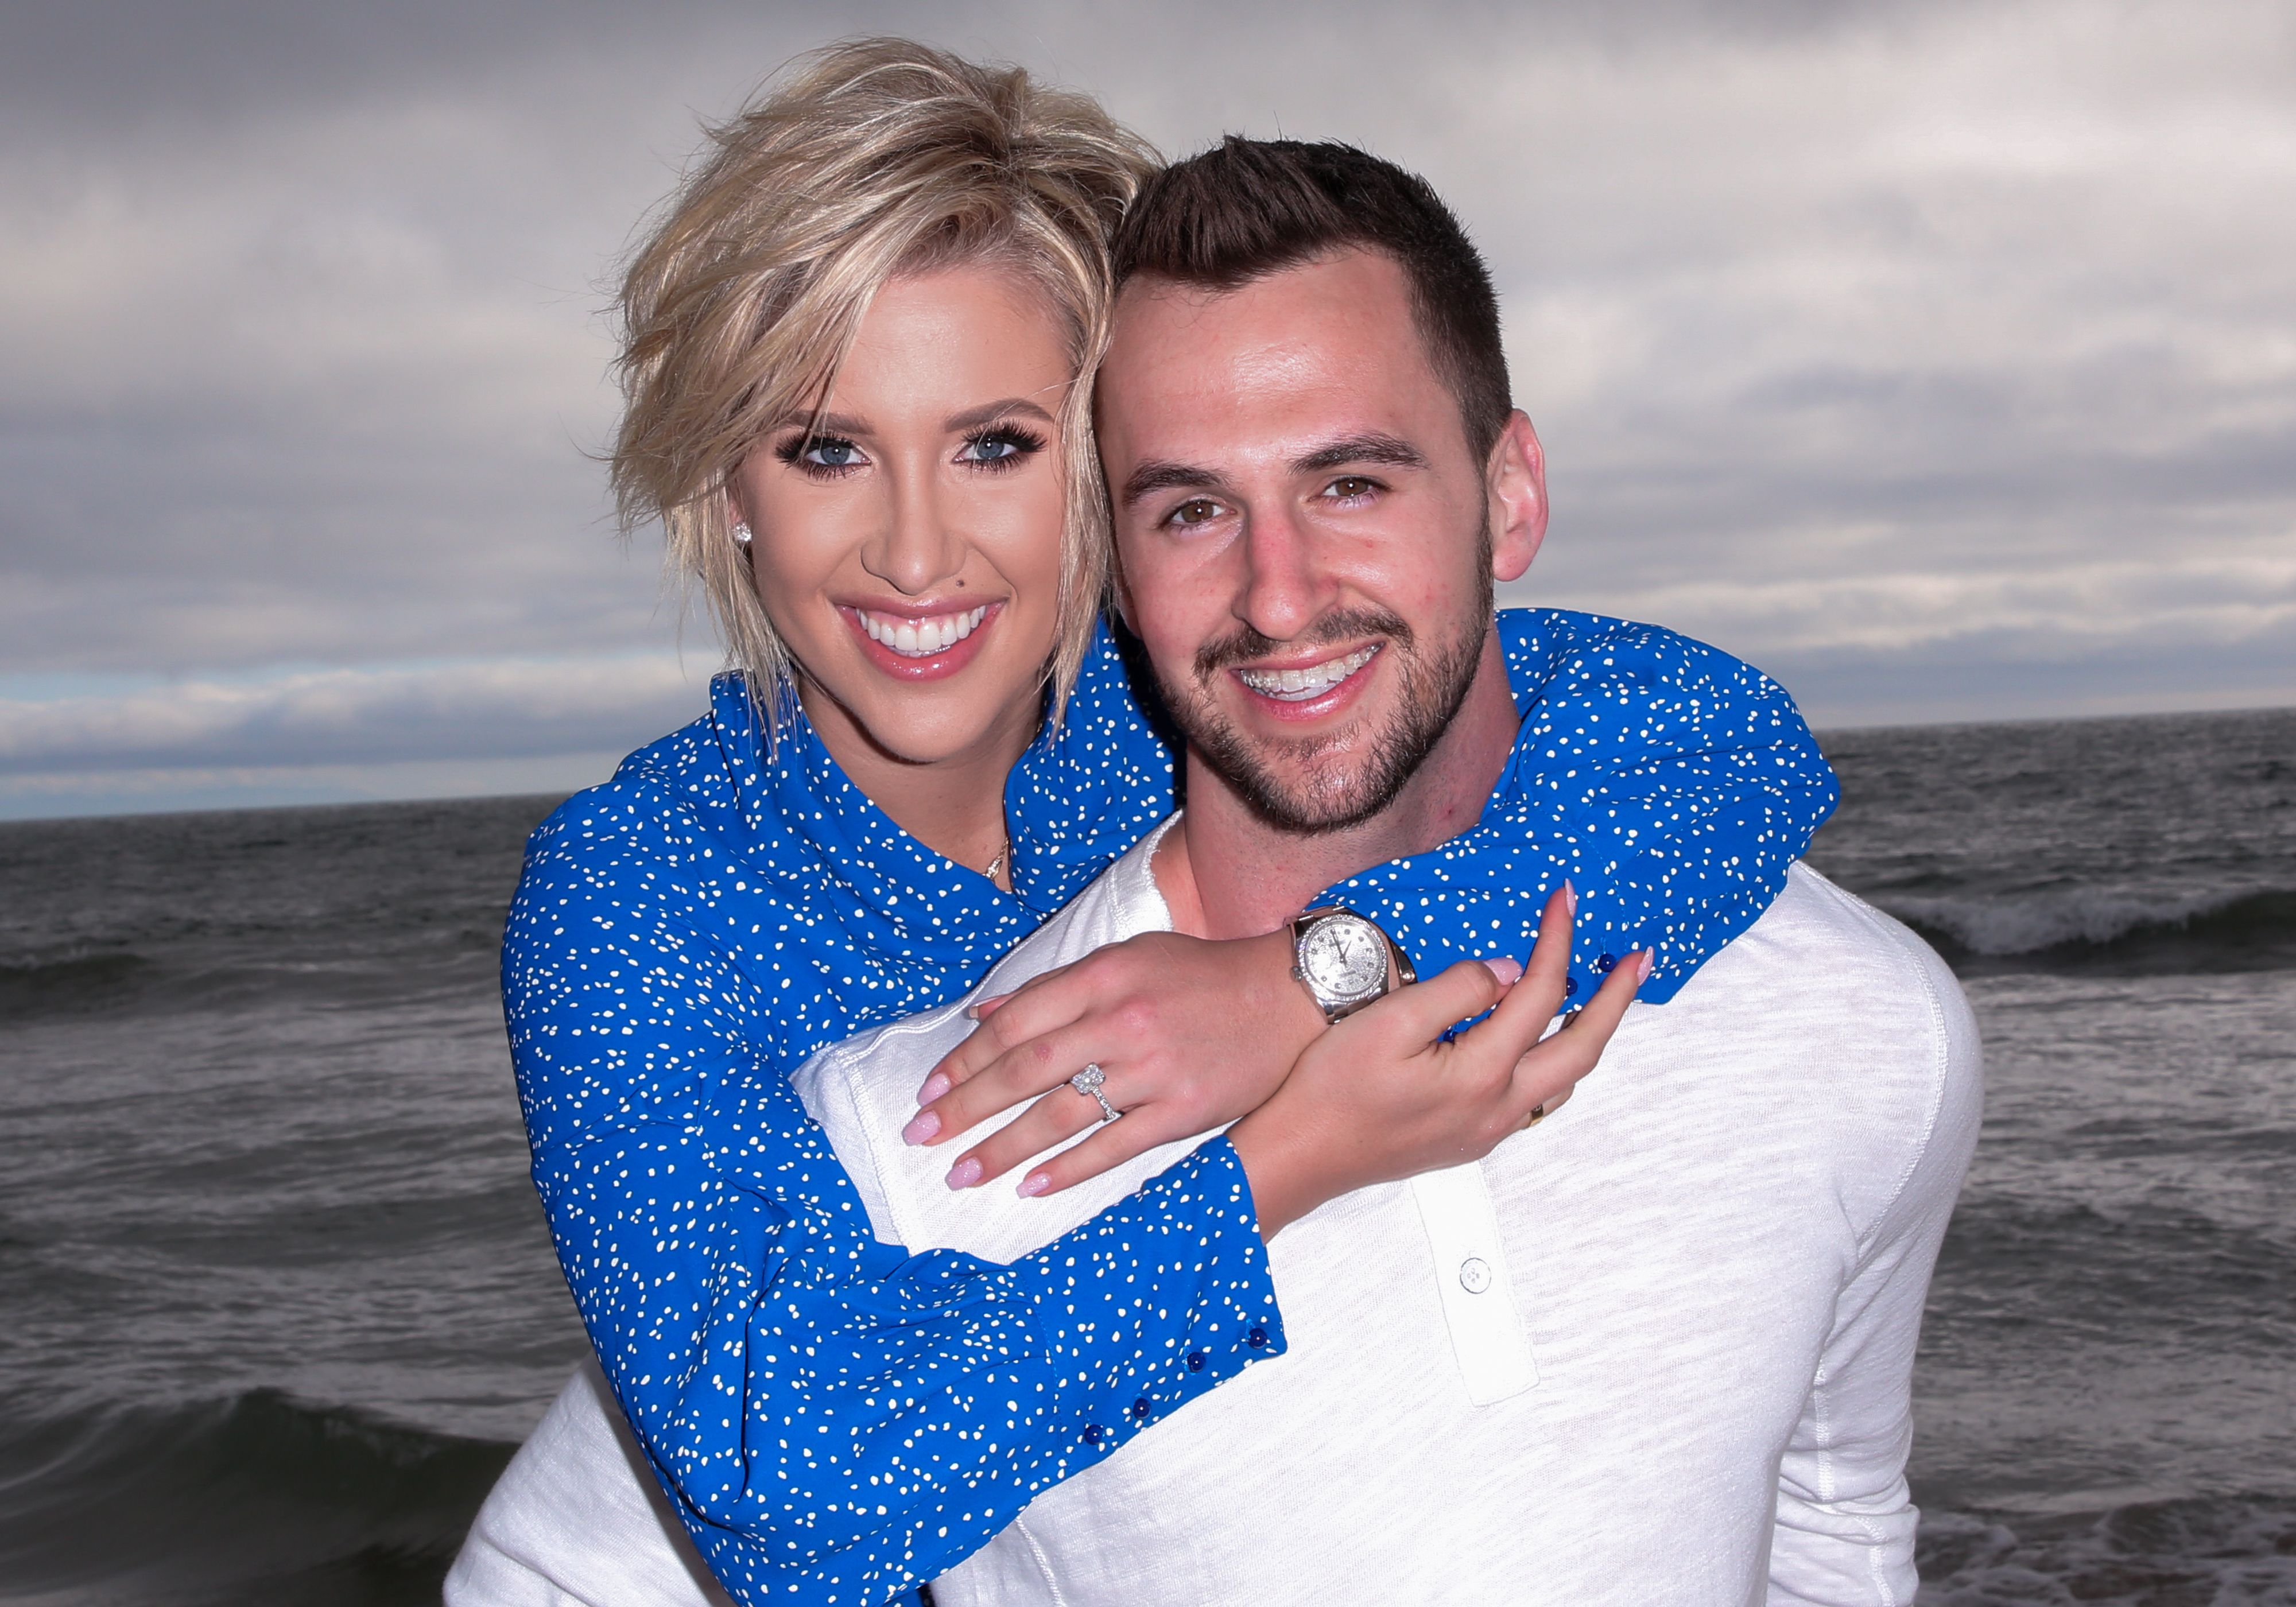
(836, 1419)
(1672, 783)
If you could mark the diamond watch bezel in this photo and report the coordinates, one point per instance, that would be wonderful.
(1395, 969)
(1328, 970)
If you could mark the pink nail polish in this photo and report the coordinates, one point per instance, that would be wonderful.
(1508, 972)
(1647, 958)
(922, 1126)
(935, 1087)
(1571, 899)
(1033, 1184)
(965, 1174)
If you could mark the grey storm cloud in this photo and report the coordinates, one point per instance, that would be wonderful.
(1941, 359)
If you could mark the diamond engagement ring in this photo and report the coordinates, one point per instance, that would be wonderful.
(1088, 1081)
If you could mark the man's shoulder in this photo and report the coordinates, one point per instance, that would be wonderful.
(1830, 1024)
(1823, 969)
(1874, 959)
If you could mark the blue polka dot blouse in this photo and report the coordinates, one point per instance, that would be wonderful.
(838, 1419)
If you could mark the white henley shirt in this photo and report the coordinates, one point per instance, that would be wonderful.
(1657, 1350)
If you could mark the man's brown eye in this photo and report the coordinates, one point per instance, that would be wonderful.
(1351, 486)
(1196, 511)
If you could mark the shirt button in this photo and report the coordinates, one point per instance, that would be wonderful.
(1474, 1274)
(1607, 964)
(1094, 1433)
(1570, 987)
(1140, 1409)
(1257, 1339)
(1195, 1361)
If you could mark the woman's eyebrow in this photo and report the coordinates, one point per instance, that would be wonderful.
(824, 423)
(973, 418)
(1372, 448)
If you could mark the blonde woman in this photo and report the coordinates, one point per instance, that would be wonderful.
(859, 346)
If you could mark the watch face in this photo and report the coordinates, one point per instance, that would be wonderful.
(1343, 959)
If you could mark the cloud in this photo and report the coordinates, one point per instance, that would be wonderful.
(503, 709)
(1920, 343)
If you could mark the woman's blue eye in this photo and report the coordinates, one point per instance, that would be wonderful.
(1000, 448)
(830, 455)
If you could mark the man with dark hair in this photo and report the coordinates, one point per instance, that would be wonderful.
(1657, 1350)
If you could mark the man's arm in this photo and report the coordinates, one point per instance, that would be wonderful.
(1845, 1517)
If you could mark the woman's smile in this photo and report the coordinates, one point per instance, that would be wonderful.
(915, 644)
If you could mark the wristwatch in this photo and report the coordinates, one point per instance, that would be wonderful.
(1345, 960)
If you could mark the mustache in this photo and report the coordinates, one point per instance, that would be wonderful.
(1244, 644)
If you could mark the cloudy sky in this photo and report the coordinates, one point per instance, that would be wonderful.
(1940, 358)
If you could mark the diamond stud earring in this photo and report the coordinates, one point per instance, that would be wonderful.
(740, 534)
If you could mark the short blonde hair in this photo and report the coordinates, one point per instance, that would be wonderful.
(872, 160)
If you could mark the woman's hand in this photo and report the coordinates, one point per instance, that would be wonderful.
(1382, 1095)
(1191, 1034)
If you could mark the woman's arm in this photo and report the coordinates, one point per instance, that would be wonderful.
(1669, 783)
(834, 1417)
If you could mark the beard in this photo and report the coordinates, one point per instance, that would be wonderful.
(1315, 785)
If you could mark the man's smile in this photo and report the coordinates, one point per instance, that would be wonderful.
(1310, 682)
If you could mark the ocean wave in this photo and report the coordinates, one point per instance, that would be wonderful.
(259, 1498)
(2239, 1549)
(108, 981)
(2253, 929)
(71, 985)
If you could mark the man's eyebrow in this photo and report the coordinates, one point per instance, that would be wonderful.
(974, 418)
(1157, 474)
(1372, 448)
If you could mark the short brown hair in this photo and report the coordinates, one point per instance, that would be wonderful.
(869, 160)
(1247, 208)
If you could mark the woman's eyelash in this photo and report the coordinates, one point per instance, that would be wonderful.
(1023, 441)
(798, 450)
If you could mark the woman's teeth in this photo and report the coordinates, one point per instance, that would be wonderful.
(1298, 685)
(921, 638)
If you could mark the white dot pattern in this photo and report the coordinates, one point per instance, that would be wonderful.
(837, 1418)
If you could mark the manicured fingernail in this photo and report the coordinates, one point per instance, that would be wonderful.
(935, 1087)
(1033, 1184)
(1571, 899)
(965, 1174)
(922, 1126)
(1508, 972)
(1643, 966)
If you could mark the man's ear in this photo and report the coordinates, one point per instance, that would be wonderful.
(1515, 478)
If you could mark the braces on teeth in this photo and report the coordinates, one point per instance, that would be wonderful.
(922, 638)
(1298, 685)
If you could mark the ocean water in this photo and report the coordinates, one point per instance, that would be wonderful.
(278, 1301)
